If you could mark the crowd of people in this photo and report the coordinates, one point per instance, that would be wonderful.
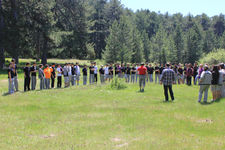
(168, 74)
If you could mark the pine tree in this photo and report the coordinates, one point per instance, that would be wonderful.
(99, 27)
(178, 44)
(194, 44)
(113, 46)
(2, 55)
(137, 47)
(146, 46)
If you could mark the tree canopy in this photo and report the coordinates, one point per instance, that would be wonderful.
(104, 29)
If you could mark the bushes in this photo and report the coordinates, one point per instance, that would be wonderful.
(118, 84)
(215, 57)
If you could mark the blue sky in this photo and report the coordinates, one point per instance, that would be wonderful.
(195, 7)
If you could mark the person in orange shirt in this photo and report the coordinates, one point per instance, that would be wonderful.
(47, 72)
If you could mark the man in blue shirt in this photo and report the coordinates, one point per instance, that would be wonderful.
(167, 79)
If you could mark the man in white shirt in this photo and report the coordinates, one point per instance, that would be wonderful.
(106, 72)
(59, 76)
(77, 70)
(69, 73)
(96, 72)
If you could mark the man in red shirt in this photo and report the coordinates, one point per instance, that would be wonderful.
(142, 75)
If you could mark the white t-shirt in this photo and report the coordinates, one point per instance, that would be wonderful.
(96, 70)
(77, 68)
(69, 71)
(59, 71)
(106, 70)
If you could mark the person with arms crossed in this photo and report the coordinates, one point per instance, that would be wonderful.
(167, 79)
(204, 82)
(102, 74)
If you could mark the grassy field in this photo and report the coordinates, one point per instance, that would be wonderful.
(99, 118)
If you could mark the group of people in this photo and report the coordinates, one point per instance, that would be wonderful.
(167, 75)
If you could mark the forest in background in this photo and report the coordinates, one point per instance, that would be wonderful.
(104, 29)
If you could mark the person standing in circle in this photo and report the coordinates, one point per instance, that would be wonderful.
(142, 75)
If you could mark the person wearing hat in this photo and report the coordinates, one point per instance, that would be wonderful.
(204, 82)
(142, 70)
(84, 70)
(167, 79)
(102, 74)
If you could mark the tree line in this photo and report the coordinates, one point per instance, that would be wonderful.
(104, 29)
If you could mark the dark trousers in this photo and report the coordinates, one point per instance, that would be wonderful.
(59, 82)
(27, 84)
(53, 82)
(96, 78)
(166, 87)
(189, 80)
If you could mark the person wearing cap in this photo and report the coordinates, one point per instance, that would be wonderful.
(142, 70)
(102, 74)
(204, 82)
(167, 79)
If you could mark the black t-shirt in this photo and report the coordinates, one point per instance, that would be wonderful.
(27, 71)
(15, 70)
(195, 70)
(150, 70)
(10, 71)
(128, 70)
(111, 70)
(215, 78)
(175, 69)
(33, 69)
(123, 69)
(91, 69)
(156, 70)
(180, 70)
(117, 71)
(133, 70)
(101, 71)
(161, 70)
(73, 70)
(84, 71)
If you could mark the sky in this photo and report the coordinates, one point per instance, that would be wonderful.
(194, 7)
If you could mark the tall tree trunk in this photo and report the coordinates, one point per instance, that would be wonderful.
(2, 56)
(44, 50)
(37, 47)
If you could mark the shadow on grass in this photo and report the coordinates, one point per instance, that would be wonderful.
(209, 103)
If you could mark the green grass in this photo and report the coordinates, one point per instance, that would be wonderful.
(99, 118)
